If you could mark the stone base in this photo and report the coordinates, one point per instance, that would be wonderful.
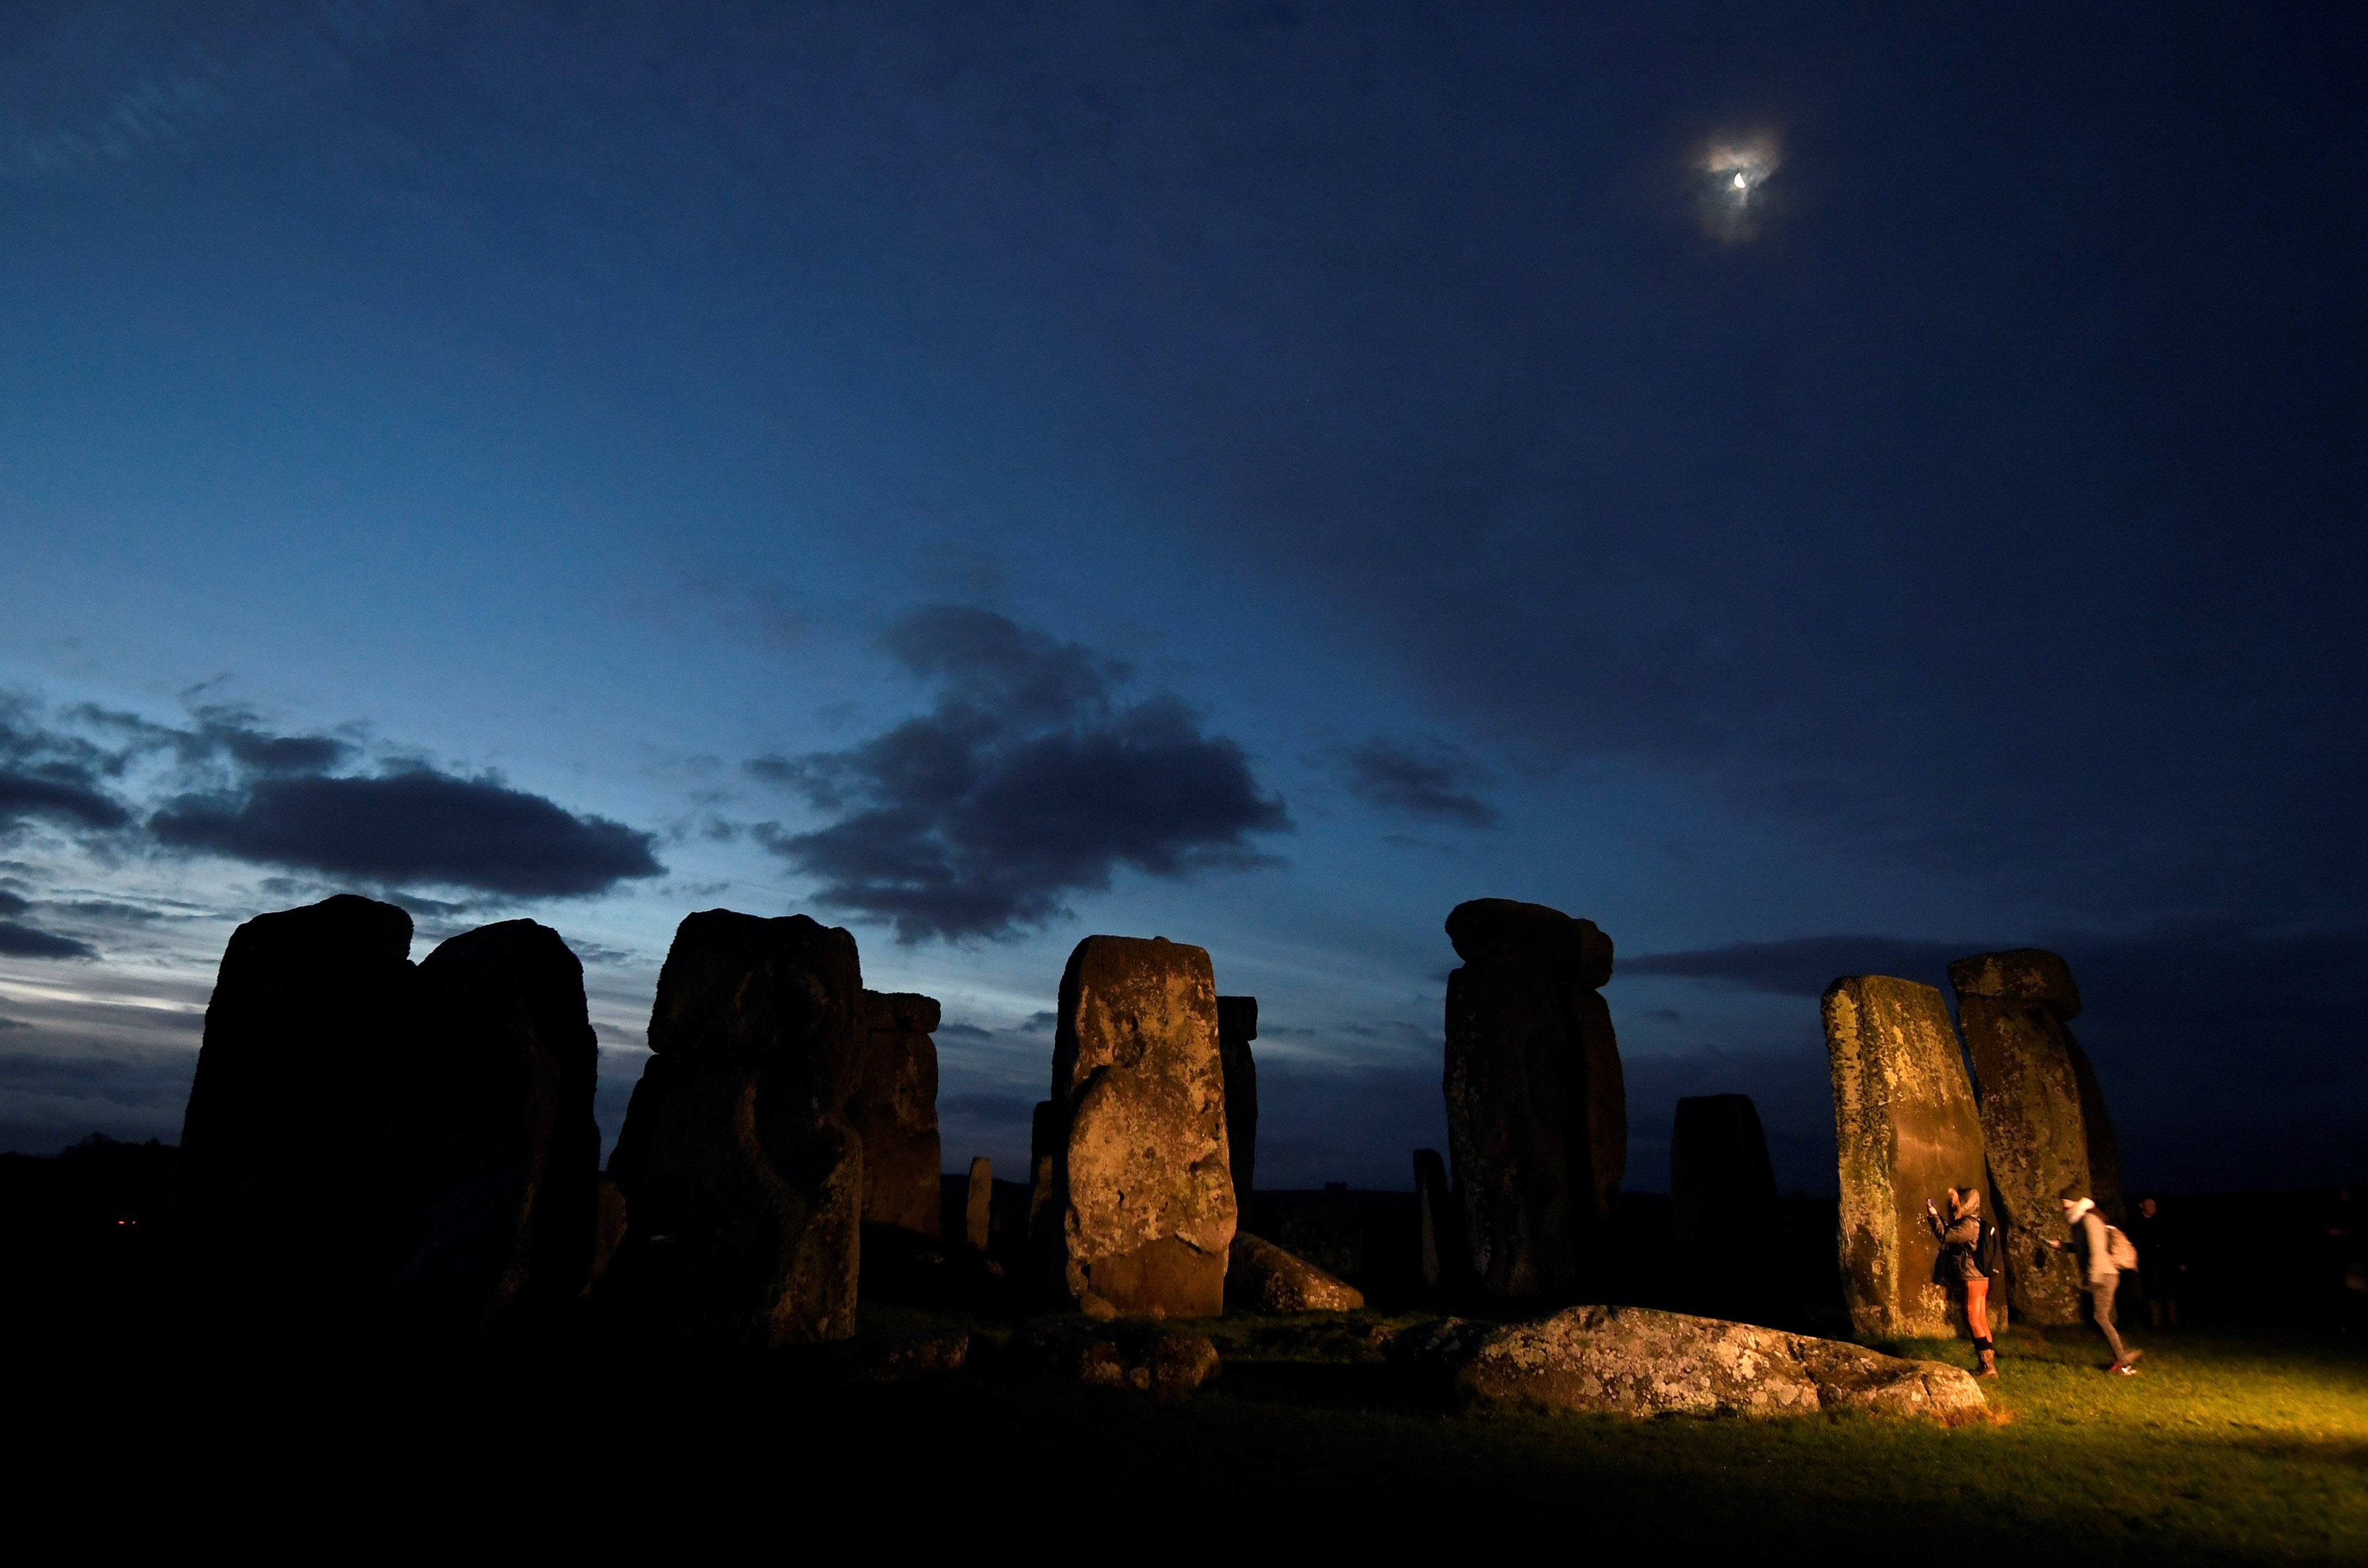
(1167, 1278)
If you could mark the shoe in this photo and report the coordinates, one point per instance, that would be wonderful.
(1988, 1368)
(2123, 1370)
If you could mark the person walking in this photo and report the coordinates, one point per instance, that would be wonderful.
(1961, 1265)
(2156, 1235)
(2091, 1243)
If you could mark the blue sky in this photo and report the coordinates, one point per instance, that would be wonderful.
(1302, 467)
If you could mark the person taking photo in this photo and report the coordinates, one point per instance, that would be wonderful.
(1960, 1236)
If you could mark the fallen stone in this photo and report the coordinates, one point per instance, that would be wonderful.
(487, 1169)
(1329, 1234)
(1906, 1130)
(892, 1357)
(894, 1112)
(1237, 1027)
(1140, 1209)
(1536, 1100)
(2011, 1008)
(1636, 1361)
(1264, 1277)
(1152, 1357)
(281, 1135)
(736, 1150)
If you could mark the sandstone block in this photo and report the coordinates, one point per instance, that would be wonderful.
(895, 1112)
(1237, 1027)
(285, 1115)
(1633, 1361)
(2030, 976)
(978, 1204)
(736, 1159)
(487, 1171)
(2104, 1149)
(1147, 1356)
(1536, 1101)
(2035, 1127)
(1906, 1130)
(1142, 1209)
(1725, 1225)
(1263, 1277)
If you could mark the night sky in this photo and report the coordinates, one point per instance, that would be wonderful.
(1254, 473)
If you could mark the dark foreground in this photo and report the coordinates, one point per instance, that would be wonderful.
(2233, 1445)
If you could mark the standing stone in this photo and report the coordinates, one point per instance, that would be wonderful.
(1726, 1225)
(1436, 1238)
(894, 1112)
(1237, 1027)
(1906, 1130)
(284, 1116)
(1537, 1113)
(487, 1174)
(2013, 1007)
(1142, 1209)
(2104, 1149)
(978, 1204)
(741, 1174)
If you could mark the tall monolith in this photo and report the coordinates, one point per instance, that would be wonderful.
(1725, 1226)
(1237, 1027)
(1537, 1114)
(742, 1174)
(1140, 1212)
(1906, 1130)
(894, 1112)
(2014, 1008)
(486, 1203)
(284, 1116)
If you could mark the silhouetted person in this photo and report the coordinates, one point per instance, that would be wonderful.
(2100, 1277)
(2160, 1262)
(1961, 1267)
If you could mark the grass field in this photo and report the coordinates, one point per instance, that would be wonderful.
(2228, 1446)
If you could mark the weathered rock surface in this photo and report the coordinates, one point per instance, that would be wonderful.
(894, 1112)
(2104, 1149)
(1536, 1102)
(737, 1161)
(892, 1357)
(1906, 1130)
(284, 1117)
(1263, 1277)
(1237, 1027)
(2013, 1008)
(1128, 1354)
(1634, 1361)
(486, 1200)
(1140, 1209)
(978, 1204)
(1725, 1226)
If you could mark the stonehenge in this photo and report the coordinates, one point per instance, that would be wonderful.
(411, 1147)
(1906, 1130)
(895, 1112)
(742, 1174)
(1537, 1108)
(2014, 1008)
(1139, 1214)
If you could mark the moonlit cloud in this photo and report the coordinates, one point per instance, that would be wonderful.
(1732, 174)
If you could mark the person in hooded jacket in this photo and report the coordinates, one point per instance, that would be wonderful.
(2101, 1277)
(1960, 1236)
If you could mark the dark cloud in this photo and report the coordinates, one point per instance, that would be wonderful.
(51, 773)
(1030, 780)
(1804, 966)
(14, 1024)
(236, 734)
(1039, 1023)
(1431, 782)
(987, 1107)
(28, 942)
(46, 1102)
(414, 825)
(965, 1031)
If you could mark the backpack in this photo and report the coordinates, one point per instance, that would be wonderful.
(2119, 1251)
(1989, 1253)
